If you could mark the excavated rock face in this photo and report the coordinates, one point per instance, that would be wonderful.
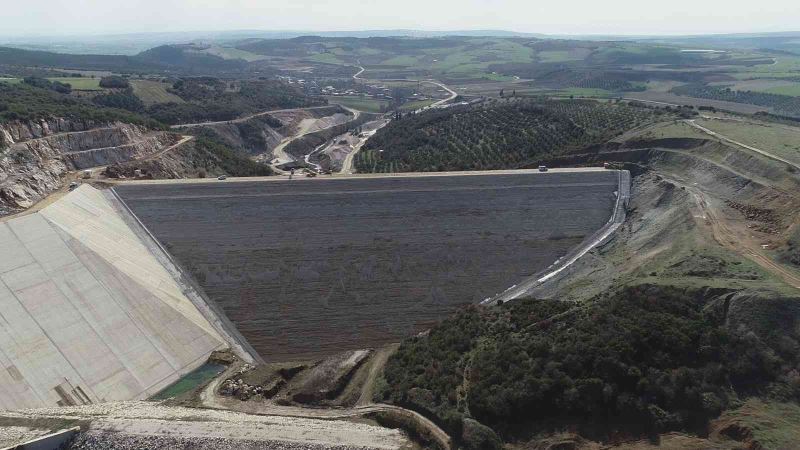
(35, 155)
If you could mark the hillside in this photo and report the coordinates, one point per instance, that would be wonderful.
(645, 359)
(26, 102)
(504, 134)
(175, 59)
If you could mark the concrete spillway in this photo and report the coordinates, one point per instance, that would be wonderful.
(89, 312)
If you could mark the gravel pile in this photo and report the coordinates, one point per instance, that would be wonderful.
(121, 441)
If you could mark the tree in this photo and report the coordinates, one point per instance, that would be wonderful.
(114, 82)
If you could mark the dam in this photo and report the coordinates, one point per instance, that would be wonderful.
(89, 312)
(308, 268)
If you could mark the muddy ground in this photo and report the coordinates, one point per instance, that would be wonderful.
(309, 268)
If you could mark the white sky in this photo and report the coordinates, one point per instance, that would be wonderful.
(55, 17)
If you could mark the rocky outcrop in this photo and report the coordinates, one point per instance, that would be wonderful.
(190, 160)
(35, 156)
(14, 132)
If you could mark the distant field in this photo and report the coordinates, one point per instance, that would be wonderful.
(81, 84)
(10, 80)
(584, 92)
(780, 140)
(152, 92)
(788, 89)
(411, 106)
(328, 58)
(233, 53)
(365, 104)
(768, 85)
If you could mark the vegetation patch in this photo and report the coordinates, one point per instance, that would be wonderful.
(643, 360)
(29, 102)
(505, 134)
(212, 99)
(784, 104)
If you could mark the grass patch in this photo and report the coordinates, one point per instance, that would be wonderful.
(789, 89)
(365, 104)
(328, 58)
(151, 92)
(80, 84)
(411, 106)
(774, 425)
(780, 140)
(584, 92)
(10, 80)
(556, 56)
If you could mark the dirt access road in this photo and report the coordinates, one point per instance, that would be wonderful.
(452, 93)
(372, 128)
(245, 118)
(305, 128)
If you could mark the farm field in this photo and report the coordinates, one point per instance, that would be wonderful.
(308, 268)
(365, 104)
(152, 92)
(80, 84)
(10, 80)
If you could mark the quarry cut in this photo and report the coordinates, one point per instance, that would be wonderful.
(306, 268)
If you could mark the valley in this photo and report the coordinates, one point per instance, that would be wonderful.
(499, 241)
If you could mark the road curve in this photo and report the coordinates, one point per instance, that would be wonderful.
(452, 93)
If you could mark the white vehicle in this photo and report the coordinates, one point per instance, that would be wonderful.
(222, 177)
(542, 168)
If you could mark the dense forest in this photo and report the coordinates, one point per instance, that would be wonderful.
(211, 99)
(505, 134)
(30, 101)
(642, 360)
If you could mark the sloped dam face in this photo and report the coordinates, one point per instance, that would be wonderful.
(310, 267)
(89, 313)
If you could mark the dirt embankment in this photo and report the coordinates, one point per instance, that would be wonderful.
(705, 217)
(261, 134)
(698, 205)
(304, 145)
(36, 156)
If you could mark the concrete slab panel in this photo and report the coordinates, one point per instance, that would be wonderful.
(24, 277)
(30, 228)
(14, 254)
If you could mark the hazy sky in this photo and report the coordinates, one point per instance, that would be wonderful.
(538, 16)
